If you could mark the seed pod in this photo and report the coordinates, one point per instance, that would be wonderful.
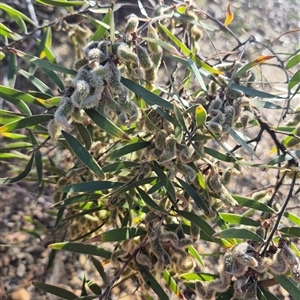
(170, 151)
(79, 63)
(229, 114)
(179, 231)
(184, 153)
(92, 100)
(156, 58)
(94, 57)
(245, 117)
(296, 273)
(82, 89)
(278, 264)
(137, 74)
(195, 232)
(159, 251)
(116, 255)
(54, 130)
(143, 259)
(251, 292)
(289, 256)
(218, 285)
(160, 140)
(151, 74)
(144, 57)
(89, 47)
(126, 54)
(62, 114)
(233, 94)
(101, 71)
(132, 24)
(188, 172)
(215, 106)
(244, 254)
(103, 47)
(169, 237)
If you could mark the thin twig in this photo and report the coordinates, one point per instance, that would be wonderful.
(280, 214)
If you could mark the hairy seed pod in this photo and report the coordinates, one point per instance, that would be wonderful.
(184, 153)
(229, 114)
(79, 63)
(233, 94)
(102, 71)
(126, 54)
(240, 284)
(143, 259)
(156, 58)
(54, 130)
(88, 48)
(179, 231)
(195, 232)
(289, 256)
(159, 251)
(278, 264)
(132, 24)
(137, 73)
(226, 176)
(251, 292)
(63, 112)
(151, 74)
(188, 172)
(185, 242)
(170, 150)
(244, 253)
(245, 117)
(152, 33)
(94, 57)
(144, 57)
(160, 140)
(116, 255)
(296, 273)
(82, 89)
(215, 106)
(200, 289)
(169, 237)
(218, 285)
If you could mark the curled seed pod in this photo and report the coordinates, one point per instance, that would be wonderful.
(218, 285)
(103, 47)
(88, 48)
(82, 89)
(215, 106)
(63, 112)
(200, 289)
(54, 130)
(289, 256)
(151, 231)
(137, 73)
(143, 259)
(132, 24)
(188, 172)
(214, 127)
(229, 114)
(244, 253)
(92, 100)
(57, 197)
(123, 119)
(186, 264)
(144, 57)
(233, 94)
(101, 71)
(170, 151)
(195, 232)
(169, 237)
(133, 111)
(226, 176)
(126, 54)
(196, 33)
(94, 57)
(185, 242)
(113, 80)
(152, 33)
(245, 117)
(156, 58)
(251, 292)
(184, 153)
(160, 140)
(79, 63)
(240, 284)
(79, 116)
(278, 264)
(214, 182)
(159, 251)
(296, 273)
(116, 255)
(179, 231)
(150, 74)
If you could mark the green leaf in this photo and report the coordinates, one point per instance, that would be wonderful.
(81, 248)
(91, 186)
(2, 55)
(95, 288)
(14, 12)
(130, 148)
(98, 265)
(266, 294)
(120, 165)
(108, 126)
(220, 156)
(248, 202)
(84, 134)
(26, 122)
(55, 78)
(83, 155)
(264, 104)
(77, 199)
(149, 97)
(147, 199)
(201, 115)
(283, 157)
(292, 231)
(171, 283)
(241, 142)
(292, 218)
(102, 28)
(5, 31)
(253, 92)
(120, 234)
(61, 3)
(166, 182)
(239, 233)
(55, 290)
(43, 63)
(23, 174)
(288, 285)
(193, 194)
(201, 223)
(237, 219)
(295, 60)
(38, 159)
(195, 254)
(11, 73)
(151, 282)
(197, 276)
(41, 86)
(197, 74)
(294, 80)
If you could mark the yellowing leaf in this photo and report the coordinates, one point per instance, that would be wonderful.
(262, 59)
(229, 15)
(200, 115)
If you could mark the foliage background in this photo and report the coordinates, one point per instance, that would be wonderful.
(19, 201)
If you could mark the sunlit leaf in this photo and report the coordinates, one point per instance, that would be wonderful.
(81, 248)
(201, 115)
(237, 219)
(295, 60)
(288, 285)
(294, 80)
(239, 233)
(61, 3)
(292, 231)
(171, 283)
(292, 217)
(102, 28)
(229, 15)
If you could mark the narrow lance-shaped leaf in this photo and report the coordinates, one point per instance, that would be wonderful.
(60, 3)
(81, 248)
(24, 174)
(106, 124)
(288, 285)
(55, 290)
(294, 80)
(201, 115)
(239, 233)
(172, 284)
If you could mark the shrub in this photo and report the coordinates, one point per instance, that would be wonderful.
(152, 131)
